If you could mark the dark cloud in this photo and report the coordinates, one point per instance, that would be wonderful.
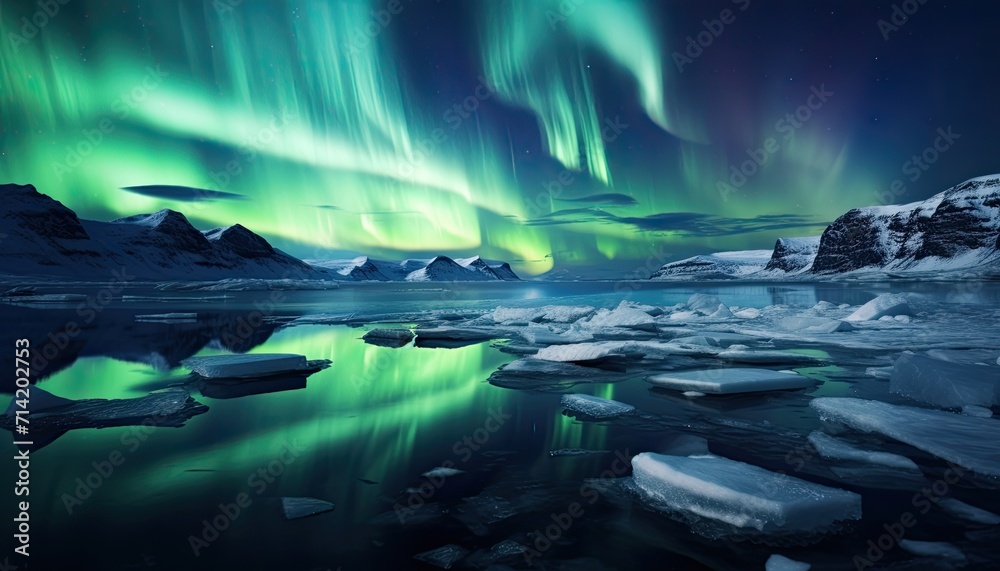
(611, 198)
(693, 224)
(182, 193)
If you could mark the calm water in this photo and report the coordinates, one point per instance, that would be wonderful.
(361, 432)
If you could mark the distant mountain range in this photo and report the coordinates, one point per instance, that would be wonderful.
(955, 232)
(41, 237)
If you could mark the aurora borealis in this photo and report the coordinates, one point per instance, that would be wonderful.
(571, 138)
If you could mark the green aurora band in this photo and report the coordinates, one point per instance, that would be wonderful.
(209, 95)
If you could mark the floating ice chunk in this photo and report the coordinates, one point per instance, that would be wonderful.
(722, 313)
(964, 511)
(963, 440)
(255, 365)
(388, 337)
(452, 336)
(902, 318)
(693, 394)
(731, 381)
(887, 304)
(940, 549)
(748, 313)
(167, 318)
(743, 354)
(442, 472)
(684, 315)
(589, 352)
(944, 383)
(546, 335)
(443, 557)
(705, 304)
(830, 447)
(594, 407)
(622, 316)
(740, 495)
(824, 306)
(713, 339)
(297, 508)
(549, 313)
(781, 563)
(980, 411)
(806, 324)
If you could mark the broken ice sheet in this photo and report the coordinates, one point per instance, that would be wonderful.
(595, 407)
(443, 557)
(968, 441)
(297, 508)
(745, 497)
(252, 365)
(731, 380)
(172, 407)
(834, 448)
(944, 383)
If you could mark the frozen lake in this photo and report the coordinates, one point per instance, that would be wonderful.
(472, 395)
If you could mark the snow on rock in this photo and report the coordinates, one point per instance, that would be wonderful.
(940, 549)
(887, 304)
(792, 255)
(731, 381)
(967, 512)
(944, 383)
(255, 365)
(248, 284)
(963, 440)
(740, 495)
(594, 407)
(781, 563)
(830, 447)
(718, 266)
(297, 508)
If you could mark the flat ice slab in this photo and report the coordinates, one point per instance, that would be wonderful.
(962, 510)
(234, 366)
(830, 447)
(731, 381)
(890, 304)
(297, 508)
(964, 440)
(945, 383)
(781, 563)
(940, 549)
(594, 406)
(741, 495)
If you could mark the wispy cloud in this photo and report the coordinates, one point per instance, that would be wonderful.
(687, 223)
(182, 193)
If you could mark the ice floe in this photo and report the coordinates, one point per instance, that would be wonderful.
(297, 508)
(781, 563)
(964, 440)
(388, 337)
(731, 381)
(944, 383)
(887, 304)
(962, 510)
(252, 365)
(940, 549)
(837, 449)
(595, 407)
(741, 495)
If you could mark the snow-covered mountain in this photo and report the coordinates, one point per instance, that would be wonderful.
(438, 269)
(44, 238)
(953, 230)
(957, 230)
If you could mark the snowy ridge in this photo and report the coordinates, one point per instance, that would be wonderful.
(956, 231)
(45, 238)
(437, 269)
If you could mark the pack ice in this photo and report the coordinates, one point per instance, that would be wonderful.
(741, 495)
(964, 440)
(887, 304)
(731, 381)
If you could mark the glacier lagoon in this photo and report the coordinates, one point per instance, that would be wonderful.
(479, 415)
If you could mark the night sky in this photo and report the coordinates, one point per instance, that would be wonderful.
(577, 138)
